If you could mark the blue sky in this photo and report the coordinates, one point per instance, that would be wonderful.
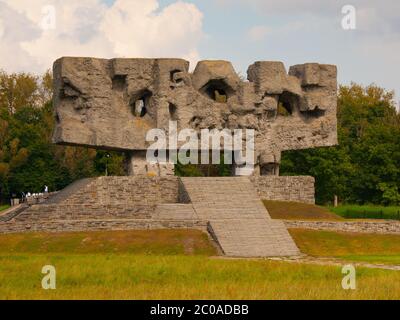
(305, 35)
(242, 31)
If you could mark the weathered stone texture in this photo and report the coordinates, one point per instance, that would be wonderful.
(139, 197)
(106, 198)
(229, 208)
(127, 191)
(285, 188)
(113, 103)
(101, 224)
(238, 220)
(382, 227)
(175, 211)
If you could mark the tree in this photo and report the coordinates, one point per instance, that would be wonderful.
(368, 153)
(28, 158)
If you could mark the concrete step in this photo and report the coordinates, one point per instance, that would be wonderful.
(238, 220)
(253, 238)
(224, 197)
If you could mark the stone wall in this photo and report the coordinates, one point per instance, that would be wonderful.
(101, 224)
(128, 191)
(382, 227)
(133, 197)
(285, 188)
(136, 202)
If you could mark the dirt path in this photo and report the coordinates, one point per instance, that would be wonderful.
(323, 262)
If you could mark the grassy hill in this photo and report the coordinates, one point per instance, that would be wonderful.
(298, 211)
(148, 242)
(4, 207)
(368, 247)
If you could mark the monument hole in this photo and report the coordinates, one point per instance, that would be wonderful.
(172, 112)
(286, 104)
(119, 82)
(316, 113)
(173, 78)
(284, 110)
(216, 90)
(140, 105)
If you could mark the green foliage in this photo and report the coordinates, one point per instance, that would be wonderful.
(365, 166)
(204, 170)
(353, 211)
(4, 207)
(187, 170)
(390, 193)
(28, 158)
(112, 162)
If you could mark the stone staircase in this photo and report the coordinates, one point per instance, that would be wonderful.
(229, 208)
(238, 220)
(12, 212)
(51, 202)
(68, 191)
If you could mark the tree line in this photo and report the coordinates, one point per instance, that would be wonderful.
(28, 158)
(363, 168)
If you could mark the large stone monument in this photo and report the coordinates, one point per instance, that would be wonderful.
(112, 104)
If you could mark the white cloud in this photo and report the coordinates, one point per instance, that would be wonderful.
(128, 28)
(258, 33)
(1, 29)
(310, 30)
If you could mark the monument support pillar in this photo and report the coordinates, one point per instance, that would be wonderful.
(137, 165)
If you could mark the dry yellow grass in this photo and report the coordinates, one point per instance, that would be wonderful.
(367, 247)
(298, 211)
(157, 242)
(184, 277)
(156, 265)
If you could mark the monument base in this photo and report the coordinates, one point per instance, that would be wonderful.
(228, 208)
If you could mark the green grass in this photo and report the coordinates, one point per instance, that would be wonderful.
(167, 264)
(367, 211)
(4, 207)
(152, 242)
(367, 247)
(298, 211)
(104, 276)
(376, 259)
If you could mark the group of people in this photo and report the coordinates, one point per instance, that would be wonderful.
(34, 195)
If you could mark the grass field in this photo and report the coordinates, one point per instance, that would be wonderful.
(168, 264)
(298, 211)
(374, 248)
(4, 207)
(150, 242)
(367, 212)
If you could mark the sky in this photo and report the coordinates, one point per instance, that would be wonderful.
(33, 33)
